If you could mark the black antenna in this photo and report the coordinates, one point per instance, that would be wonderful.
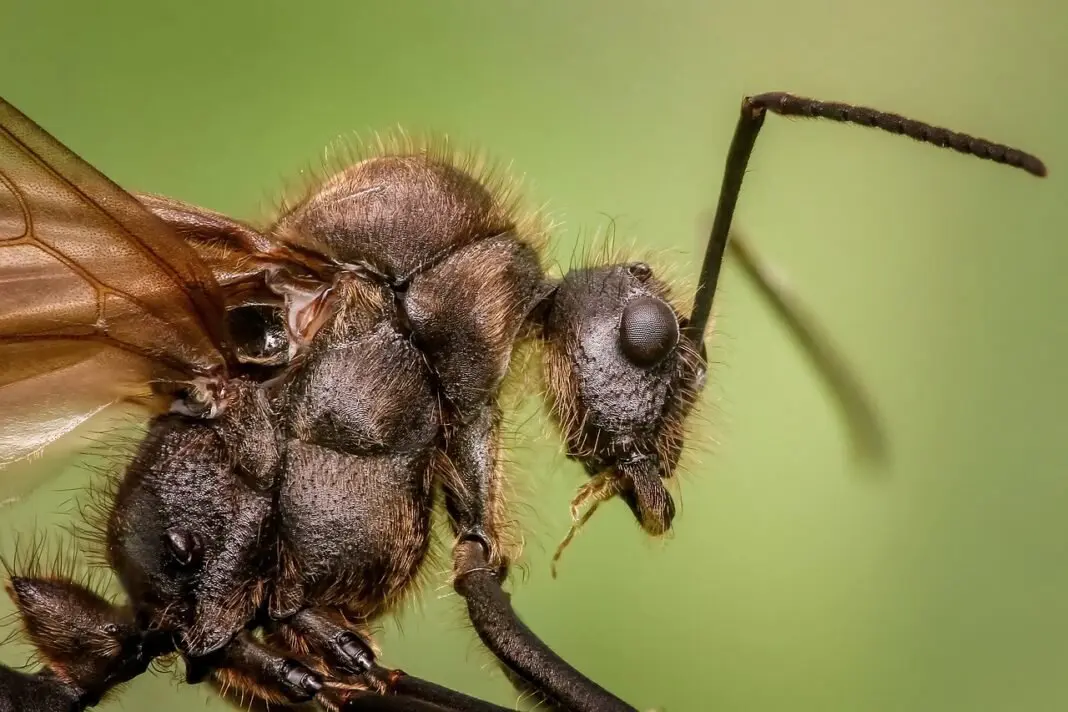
(755, 108)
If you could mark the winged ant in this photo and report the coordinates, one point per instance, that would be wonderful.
(311, 386)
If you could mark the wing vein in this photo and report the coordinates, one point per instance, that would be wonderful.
(198, 311)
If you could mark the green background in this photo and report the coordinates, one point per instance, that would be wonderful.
(795, 580)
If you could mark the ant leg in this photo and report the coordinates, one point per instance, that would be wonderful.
(406, 694)
(371, 702)
(316, 632)
(245, 667)
(535, 666)
(466, 313)
(471, 485)
(405, 685)
(470, 472)
(528, 692)
(362, 701)
(89, 645)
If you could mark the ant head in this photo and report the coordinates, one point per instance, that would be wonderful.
(623, 376)
(624, 368)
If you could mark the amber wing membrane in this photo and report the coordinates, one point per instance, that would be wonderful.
(99, 298)
(236, 253)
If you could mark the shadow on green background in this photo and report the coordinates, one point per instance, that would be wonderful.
(793, 581)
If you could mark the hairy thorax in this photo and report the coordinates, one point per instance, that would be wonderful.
(356, 492)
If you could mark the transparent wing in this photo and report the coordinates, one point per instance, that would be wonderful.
(99, 299)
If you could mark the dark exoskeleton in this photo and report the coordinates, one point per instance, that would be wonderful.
(313, 386)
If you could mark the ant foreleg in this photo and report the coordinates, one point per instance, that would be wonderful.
(315, 633)
(404, 685)
(405, 694)
(516, 646)
(363, 701)
(472, 482)
(472, 486)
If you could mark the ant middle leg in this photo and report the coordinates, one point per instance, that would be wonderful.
(323, 634)
(354, 679)
(247, 668)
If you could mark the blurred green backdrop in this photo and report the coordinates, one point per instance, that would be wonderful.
(793, 581)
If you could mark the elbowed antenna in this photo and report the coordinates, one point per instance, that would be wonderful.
(755, 108)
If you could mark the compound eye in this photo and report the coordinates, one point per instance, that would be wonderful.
(649, 331)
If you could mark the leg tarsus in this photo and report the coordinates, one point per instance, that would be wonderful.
(249, 658)
(345, 651)
(341, 647)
